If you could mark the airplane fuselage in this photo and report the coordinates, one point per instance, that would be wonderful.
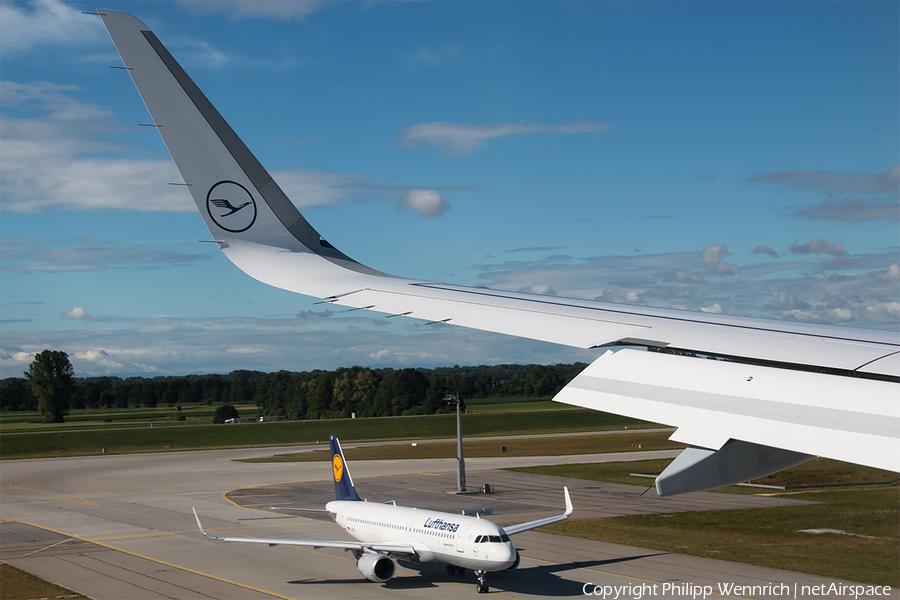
(463, 541)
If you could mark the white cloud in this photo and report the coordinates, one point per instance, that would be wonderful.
(682, 277)
(279, 10)
(54, 158)
(765, 250)
(621, 297)
(308, 189)
(78, 313)
(48, 162)
(786, 302)
(178, 346)
(712, 258)
(43, 24)
(64, 255)
(428, 203)
(884, 311)
(539, 288)
(207, 55)
(461, 138)
(850, 210)
(431, 58)
(891, 274)
(888, 181)
(817, 246)
(714, 308)
(802, 288)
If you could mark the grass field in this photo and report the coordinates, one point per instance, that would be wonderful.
(495, 404)
(16, 584)
(112, 418)
(816, 472)
(869, 551)
(121, 418)
(589, 444)
(79, 442)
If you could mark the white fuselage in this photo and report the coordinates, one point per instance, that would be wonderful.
(459, 540)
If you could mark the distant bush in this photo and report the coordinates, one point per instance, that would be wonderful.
(224, 412)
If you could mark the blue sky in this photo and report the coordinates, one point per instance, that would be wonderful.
(734, 157)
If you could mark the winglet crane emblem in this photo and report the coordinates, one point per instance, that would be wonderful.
(231, 206)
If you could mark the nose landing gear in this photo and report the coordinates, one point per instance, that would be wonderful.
(482, 582)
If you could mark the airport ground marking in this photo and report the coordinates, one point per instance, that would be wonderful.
(227, 499)
(13, 485)
(258, 495)
(157, 561)
(132, 512)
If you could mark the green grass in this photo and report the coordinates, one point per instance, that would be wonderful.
(767, 537)
(32, 421)
(500, 404)
(620, 442)
(72, 442)
(16, 584)
(816, 472)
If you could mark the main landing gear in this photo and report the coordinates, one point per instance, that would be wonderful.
(482, 582)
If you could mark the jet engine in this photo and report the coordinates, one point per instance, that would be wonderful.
(376, 567)
(515, 565)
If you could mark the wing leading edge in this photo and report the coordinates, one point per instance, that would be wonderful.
(259, 230)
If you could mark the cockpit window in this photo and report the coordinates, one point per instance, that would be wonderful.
(478, 540)
(495, 538)
(504, 538)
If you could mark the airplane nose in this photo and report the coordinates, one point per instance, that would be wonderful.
(507, 554)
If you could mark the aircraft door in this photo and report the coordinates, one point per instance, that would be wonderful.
(461, 538)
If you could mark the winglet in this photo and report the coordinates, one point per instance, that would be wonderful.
(514, 529)
(199, 525)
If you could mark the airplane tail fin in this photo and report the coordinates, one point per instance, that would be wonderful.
(343, 483)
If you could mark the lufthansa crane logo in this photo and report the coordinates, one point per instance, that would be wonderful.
(338, 465)
(231, 206)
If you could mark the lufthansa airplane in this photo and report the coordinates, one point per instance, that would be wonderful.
(748, 396)
(425, 536)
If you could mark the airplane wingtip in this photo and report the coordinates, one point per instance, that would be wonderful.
(197, 518)
(569, 508)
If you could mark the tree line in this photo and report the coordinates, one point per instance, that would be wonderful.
(314, 394)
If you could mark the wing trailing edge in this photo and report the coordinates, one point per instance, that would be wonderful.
(713, 402)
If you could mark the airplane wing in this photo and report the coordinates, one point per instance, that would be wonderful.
(386, 548)
(514, 529)
(750, 396)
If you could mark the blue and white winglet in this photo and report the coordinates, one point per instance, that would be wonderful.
(776, 394)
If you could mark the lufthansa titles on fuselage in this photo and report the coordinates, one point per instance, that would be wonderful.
(441, 525)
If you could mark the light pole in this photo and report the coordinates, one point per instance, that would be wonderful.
(460, 461)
